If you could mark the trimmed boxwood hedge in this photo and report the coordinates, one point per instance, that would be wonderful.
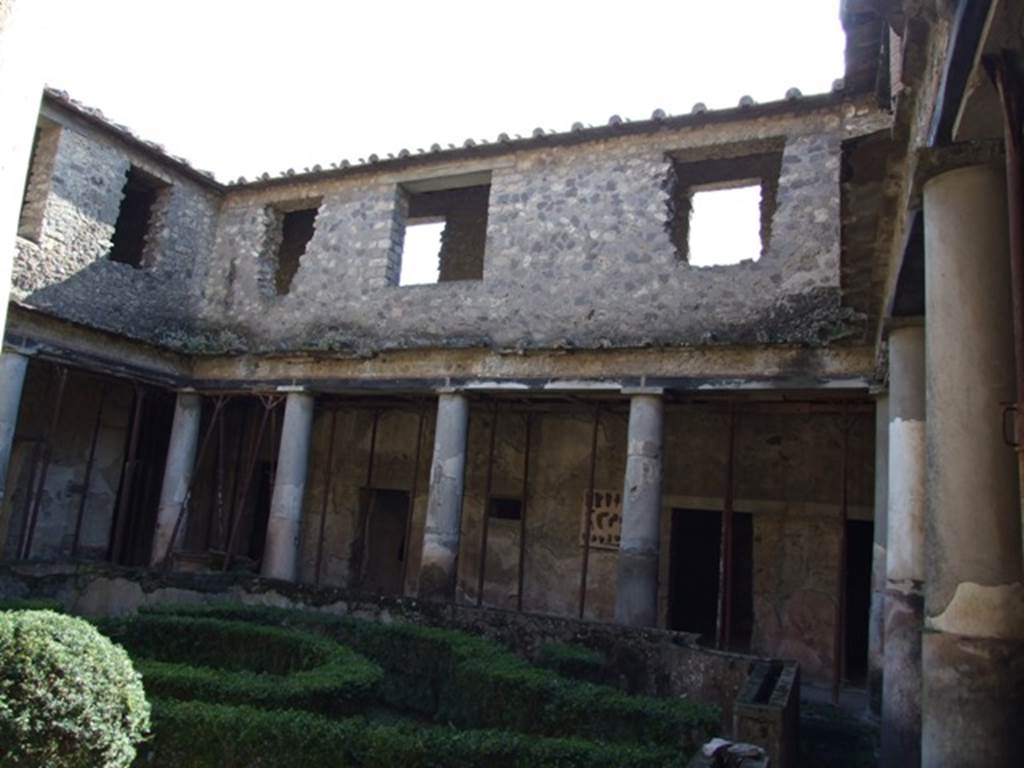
(573, 661)
(474, 683)
(216, 660)
(204, 735)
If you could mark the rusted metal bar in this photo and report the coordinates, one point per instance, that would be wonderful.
(524, 504)
(86, 481)
(243, 432)
(485, 527)
(838, 645)
(216, 515)
(268, 405)
(725, 551)
(218, 407)
(61, 374)
(128, 471)
(326, 492)
(414, 486)
(590, 511)
(373, 450)
(1001, 72)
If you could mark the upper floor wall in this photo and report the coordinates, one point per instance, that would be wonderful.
(571, 241)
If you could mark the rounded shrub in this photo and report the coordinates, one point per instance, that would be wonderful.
(69, 697)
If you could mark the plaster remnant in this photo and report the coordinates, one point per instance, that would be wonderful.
(979, 610)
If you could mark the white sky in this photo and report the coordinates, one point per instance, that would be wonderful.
(243, 86)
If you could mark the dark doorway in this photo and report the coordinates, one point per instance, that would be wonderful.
(384, 548)
(141, 478)
(693, 571)
(859, 545)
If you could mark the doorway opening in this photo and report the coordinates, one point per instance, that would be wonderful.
(859, 545)
(384, 545)
(694, 576)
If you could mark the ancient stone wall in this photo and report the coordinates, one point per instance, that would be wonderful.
(578, 251)
(75, 191)
(578, 254)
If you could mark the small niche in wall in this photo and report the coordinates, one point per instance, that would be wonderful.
(503, 508)
(134, 219)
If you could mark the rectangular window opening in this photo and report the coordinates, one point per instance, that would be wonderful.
(506, 508)
(725, 226)
(720, 208)
(297, 229)
(443, 232)
(37, 180)
(134, 218)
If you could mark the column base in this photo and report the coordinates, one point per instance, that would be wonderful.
(636, 595)
(901, 702)
(974, 700)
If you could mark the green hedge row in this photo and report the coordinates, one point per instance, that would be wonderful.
(573, 661)
(216, 660)
(474, 683)
(204, 735)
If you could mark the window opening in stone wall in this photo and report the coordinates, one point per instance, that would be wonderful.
(421, 252)
(442, 232)
(37, 180)
(133, 220)
(506, 508)
(720, 208)
(297, 229)
(725, 226)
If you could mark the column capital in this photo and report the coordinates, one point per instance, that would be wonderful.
(933, 162)
(652, 391)
(292, 389)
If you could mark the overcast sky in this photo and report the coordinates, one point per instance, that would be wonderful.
(243, 86)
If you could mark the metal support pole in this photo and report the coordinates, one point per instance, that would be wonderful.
(840, 616)
(61, 375)
(128, 471)
(590, 511)
(269, 403)
(725, 553)
(485, 527)
(88, 470)
(328, 467)
(412, 497)
(522, 513)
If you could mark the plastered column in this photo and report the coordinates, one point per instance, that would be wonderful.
(284, 526)
(444, 506)
(12, 379)
(876, 619)
(904, 572)
(973, 654)
(636, 597)
(178, 468)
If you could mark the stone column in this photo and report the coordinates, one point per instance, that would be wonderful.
(444, 505)
(284, 527)
(178, 468)
(904, 572)
(12, 378)
(974, 599)
(876, 619)
(636, 596)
